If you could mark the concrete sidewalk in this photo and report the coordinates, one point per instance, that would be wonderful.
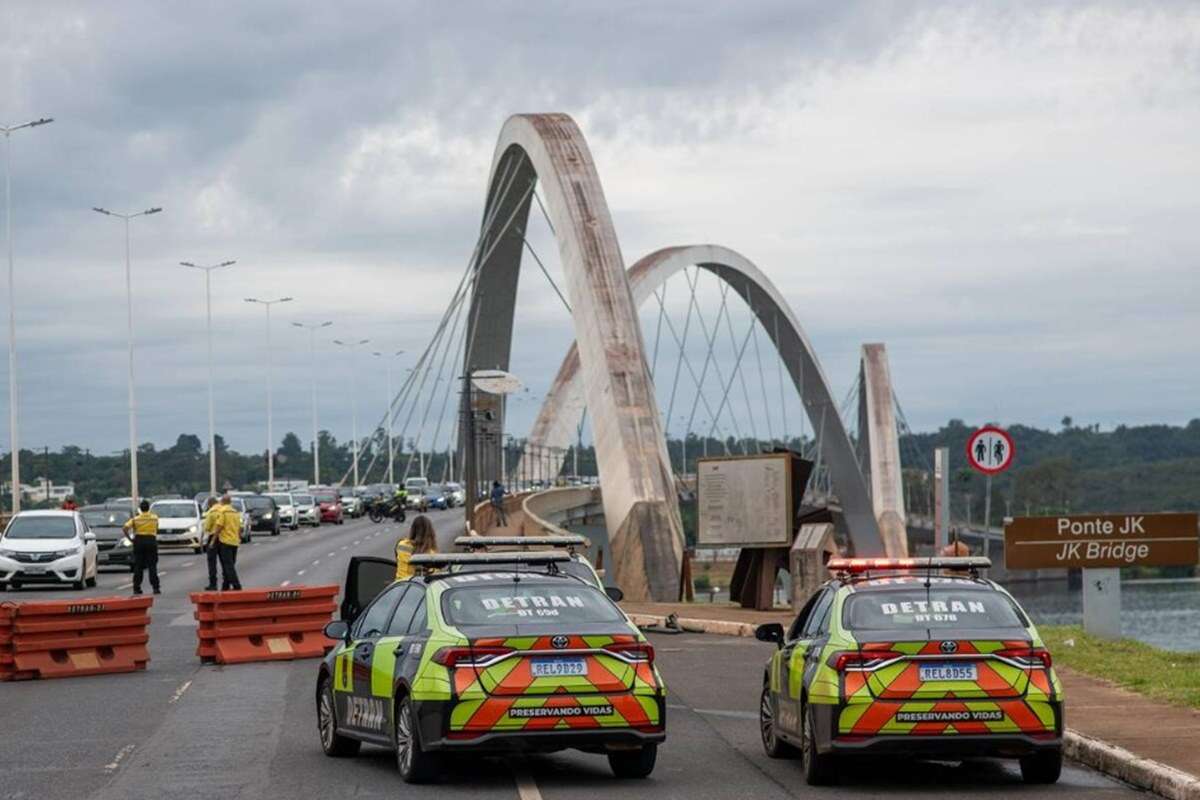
(1150, 744)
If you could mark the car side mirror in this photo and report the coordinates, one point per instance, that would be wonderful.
(89, 537)
(614, 593)
(338, 629)
(770, 632)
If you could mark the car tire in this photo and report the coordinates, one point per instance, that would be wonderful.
(275, 531)
(91, 582)
(416, 765)
(1042, 767)
(772, 744)
(197, 550)
(3, 586)
(634, 763)
(819, 769)
(82, 582)
(332, 743)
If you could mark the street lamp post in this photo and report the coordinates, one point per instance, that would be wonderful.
(133, 468)
(353, 398)
(388, 408)
(270, 438)
(312, 351)
(212, 430)
(12, 312)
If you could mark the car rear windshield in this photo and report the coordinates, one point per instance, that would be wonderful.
(566, 602)
(41, 528)
(326, 497)
(105, 517)
(281, 499)
(174, 509)
(304, 499)
(259, 503)
(938, 607)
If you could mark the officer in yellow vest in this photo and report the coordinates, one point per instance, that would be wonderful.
(145, 547)
(224, 523)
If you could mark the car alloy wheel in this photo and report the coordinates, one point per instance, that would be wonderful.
(404, 740)
(766, 720)
(325, 718)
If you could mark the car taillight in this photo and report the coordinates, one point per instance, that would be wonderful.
(865, 659)
(634, 651)
(452, 657)
(1027, 656)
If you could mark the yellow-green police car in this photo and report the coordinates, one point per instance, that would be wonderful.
(494, 652)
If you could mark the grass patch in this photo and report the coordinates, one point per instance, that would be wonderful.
(1160, 674)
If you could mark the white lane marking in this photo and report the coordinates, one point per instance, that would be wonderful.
(301, 572)
(717, 712)
(343, 547)
(526, 787)
(126, 585)
(187, 563)
(357, 541)
(179, 693)
(182, 620)
(318, 561)
(331, 555)
(121, 754)
(285, 583)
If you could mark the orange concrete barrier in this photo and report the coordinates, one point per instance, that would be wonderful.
(270, 624)
(69, 638)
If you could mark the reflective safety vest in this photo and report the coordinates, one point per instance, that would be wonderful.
(404, 551)
(225, 522)
(144, 524)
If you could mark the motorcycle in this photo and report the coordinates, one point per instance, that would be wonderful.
(381, 509)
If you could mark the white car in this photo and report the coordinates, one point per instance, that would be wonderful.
(456, 495)
(48, 547)
(180, 525)
(307, 510)
(286, 504)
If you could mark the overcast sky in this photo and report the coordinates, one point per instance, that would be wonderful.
(1004, 193)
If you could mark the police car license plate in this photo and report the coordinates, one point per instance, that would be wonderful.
(557, 667)
(947, 671)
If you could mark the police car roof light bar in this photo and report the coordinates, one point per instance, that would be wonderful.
(858, 566)
(454, 559)
(481, 542)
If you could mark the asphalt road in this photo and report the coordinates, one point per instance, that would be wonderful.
(192, 732)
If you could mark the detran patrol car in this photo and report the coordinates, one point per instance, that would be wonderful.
(917, 657)
(494, 652)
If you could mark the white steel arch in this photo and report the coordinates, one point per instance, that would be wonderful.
(640, 504)
(554, 427)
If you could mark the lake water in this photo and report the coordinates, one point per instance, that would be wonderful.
(1166, 615)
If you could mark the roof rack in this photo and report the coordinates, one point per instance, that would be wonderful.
(570, 542)
(861, 566)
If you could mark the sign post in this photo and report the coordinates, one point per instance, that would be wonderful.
(1101, 544)
(990, 450)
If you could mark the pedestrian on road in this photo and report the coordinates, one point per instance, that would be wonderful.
(145, 547)
(498, 504)
(210, 544)
(421, 539)
(69, 504)
(225, 523)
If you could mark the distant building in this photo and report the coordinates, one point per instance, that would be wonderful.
(37, 492)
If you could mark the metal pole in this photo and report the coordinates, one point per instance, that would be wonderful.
(941, 497)
(212, 425)
(390, 422)
(312, 352)
(354, 410)
(270, 437)
(133, 468)
(12, 330)
(12, 313)
(987, 517)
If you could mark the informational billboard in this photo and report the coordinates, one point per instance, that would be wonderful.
(745, 501)
(1100, 541)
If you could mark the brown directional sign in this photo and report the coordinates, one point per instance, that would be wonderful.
(1098, 541)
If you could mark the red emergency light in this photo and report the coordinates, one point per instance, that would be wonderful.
(856, 566)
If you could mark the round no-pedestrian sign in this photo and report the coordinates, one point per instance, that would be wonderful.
(990, 450)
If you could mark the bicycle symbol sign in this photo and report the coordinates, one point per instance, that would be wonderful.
(990, 450)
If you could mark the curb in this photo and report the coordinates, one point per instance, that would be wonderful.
(1118, 762)
(1114, 761)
